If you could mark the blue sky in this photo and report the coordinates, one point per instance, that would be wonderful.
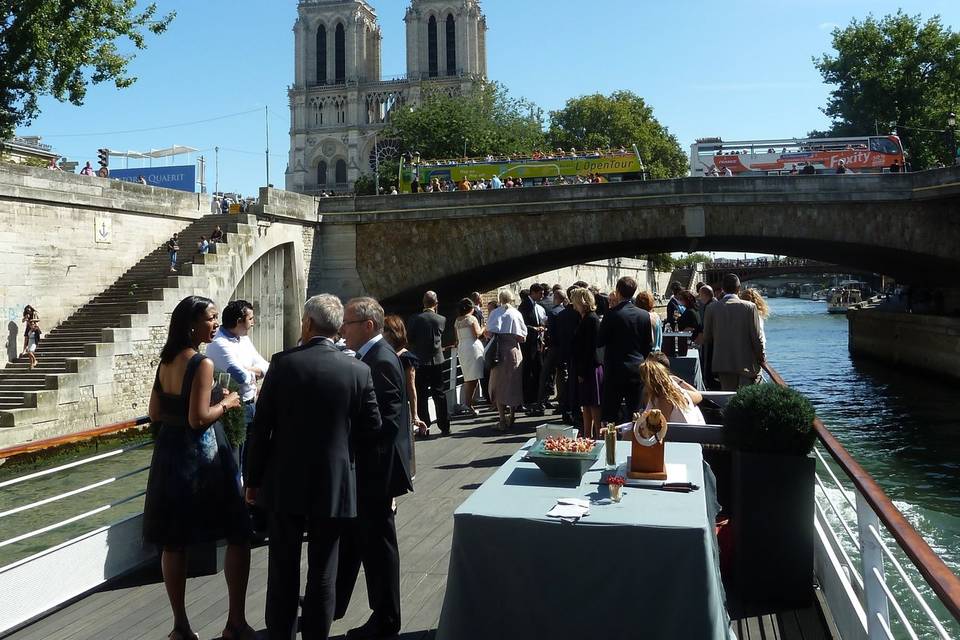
(738, 69)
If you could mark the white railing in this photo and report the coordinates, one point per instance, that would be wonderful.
(864, 552)
(33, 582)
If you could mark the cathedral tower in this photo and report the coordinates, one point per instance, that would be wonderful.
(339, 102)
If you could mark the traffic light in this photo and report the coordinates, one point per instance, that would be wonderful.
(103, 157)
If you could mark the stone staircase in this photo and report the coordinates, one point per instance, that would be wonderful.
(79, 352)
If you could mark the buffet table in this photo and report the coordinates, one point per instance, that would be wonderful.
(646, 567)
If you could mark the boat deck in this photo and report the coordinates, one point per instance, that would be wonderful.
(448, 469)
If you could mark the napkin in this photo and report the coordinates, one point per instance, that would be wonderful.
(570, 509)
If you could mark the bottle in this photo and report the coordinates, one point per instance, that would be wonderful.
(610, 444)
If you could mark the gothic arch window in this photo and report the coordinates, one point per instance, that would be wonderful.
(340, 54)
(322, 174)
(432, 47)
(341, 172)
(322, 55)
(451, 45)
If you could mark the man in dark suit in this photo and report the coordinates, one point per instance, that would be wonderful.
(627, 338)
(315, 406)
(535, 317)
(383, 473)
(673, 304)
(425, 333)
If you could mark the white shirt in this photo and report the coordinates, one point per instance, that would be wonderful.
(362, 351)
(506, 319)
(236, 355)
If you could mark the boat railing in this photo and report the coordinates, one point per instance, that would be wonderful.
(863, 536)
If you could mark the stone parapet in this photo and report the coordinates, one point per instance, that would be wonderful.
(910, 340)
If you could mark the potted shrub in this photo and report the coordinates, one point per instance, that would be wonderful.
(769, 429)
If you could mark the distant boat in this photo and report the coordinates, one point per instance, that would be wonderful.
(820, 296)
(842, 299)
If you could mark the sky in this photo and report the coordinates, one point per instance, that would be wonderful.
(738, 69)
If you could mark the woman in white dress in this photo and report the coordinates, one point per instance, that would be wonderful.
(674, 398)
(470, 352)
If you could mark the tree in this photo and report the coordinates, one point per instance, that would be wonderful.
(620, 120)
(897, 69)
(692, 259)
(58, 47)
(484, 121)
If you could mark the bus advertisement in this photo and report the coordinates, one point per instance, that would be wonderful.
(866, 154)
(612, 166)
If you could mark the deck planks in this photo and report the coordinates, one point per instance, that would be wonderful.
(448, 470)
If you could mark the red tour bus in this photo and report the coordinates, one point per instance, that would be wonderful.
(866, 154)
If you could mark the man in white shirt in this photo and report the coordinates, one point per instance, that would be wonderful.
(234, 353)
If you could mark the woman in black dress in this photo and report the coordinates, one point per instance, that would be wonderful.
(193, 493)
(587, 365)
(690, 318)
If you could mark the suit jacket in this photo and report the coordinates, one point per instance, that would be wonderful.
(315, 405)
(532, 318)
(383, 466)
(627, 338)
(566, 326)
(732, 328)
(425, 335)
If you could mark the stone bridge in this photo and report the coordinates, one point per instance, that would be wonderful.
(749, 271)
(393, 247)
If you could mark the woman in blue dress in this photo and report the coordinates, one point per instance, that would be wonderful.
(193, 493)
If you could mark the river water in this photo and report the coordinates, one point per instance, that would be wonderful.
(901, 425)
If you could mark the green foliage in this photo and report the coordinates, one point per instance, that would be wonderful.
(484, 121)
(895, 69)
(234, 420)
(619, 120)
(58, 47)
(660, 261)
(768, 418)
(364, 186)
(691, 260)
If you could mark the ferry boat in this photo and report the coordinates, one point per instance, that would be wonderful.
(874, 576)
(843, 298)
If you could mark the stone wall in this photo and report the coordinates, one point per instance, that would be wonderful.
(929, 343)
(67, 237)
(601, 273)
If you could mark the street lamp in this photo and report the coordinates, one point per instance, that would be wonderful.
(951, 134)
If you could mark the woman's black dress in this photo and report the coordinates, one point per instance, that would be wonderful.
(193, 492)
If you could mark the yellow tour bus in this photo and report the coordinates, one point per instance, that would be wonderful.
(559, 167)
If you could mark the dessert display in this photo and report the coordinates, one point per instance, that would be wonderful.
(563, 445)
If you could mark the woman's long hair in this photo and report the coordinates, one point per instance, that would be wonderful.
(658, 384)
(180, 335)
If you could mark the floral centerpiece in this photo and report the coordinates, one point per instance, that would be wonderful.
(233, 420)
(616, 485)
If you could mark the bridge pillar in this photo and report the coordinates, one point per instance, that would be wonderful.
(333, 266)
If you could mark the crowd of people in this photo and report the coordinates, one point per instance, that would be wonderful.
(332, 467)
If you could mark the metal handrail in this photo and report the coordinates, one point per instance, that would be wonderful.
(73, 438)
(934, 570)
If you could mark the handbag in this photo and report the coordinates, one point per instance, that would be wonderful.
(491, 356)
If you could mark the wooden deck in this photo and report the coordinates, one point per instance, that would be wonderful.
(448, 469)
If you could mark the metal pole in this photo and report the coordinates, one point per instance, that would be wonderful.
(376, 166)
(216, 179)
(266, 121)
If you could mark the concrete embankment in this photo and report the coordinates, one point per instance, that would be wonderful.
(927, 342)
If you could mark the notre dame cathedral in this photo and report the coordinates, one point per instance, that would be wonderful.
(339, 101)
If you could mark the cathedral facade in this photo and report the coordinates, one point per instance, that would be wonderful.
(340, 102)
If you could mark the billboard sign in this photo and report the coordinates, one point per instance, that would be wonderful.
(182, 178)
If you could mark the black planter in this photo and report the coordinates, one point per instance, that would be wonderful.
(772, 520)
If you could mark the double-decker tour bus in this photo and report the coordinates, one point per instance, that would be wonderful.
(611, 166)
(863, 154)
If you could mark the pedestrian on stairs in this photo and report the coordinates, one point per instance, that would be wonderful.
(31, 340)
(173, 246)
